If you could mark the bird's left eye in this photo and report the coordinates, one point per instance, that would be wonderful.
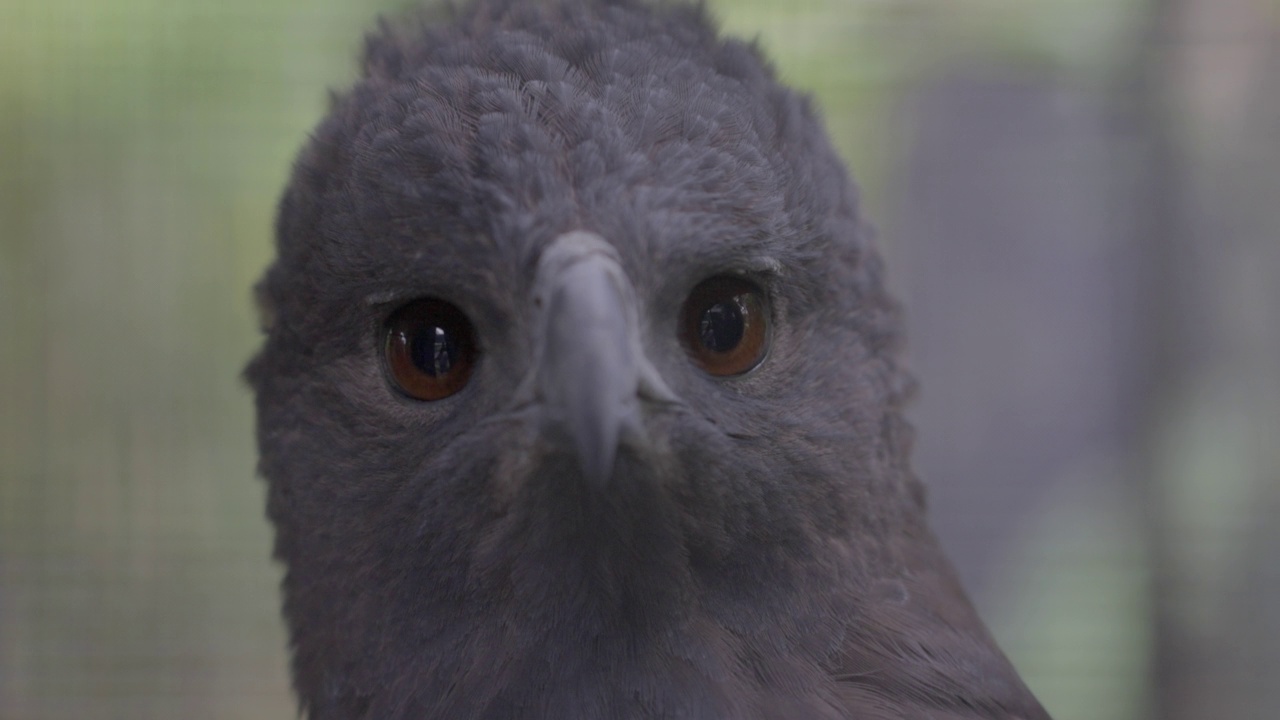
(724, 325)
(430, 349)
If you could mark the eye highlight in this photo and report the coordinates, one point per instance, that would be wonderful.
(430, 349)
(725, 325)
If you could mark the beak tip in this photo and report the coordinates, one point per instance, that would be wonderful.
(598, 447)
(598, 470)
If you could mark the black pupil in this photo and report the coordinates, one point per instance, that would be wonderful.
(721, 326)
(434, 350)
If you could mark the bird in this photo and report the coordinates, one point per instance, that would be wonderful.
(581, 393)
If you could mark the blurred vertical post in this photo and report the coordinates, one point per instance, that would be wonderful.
(1160, 247)
(1202, 97)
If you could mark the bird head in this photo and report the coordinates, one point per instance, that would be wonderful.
(578, 360)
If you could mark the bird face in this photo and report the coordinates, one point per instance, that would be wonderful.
(578, 373)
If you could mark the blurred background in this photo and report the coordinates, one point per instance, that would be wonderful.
(1079, 199)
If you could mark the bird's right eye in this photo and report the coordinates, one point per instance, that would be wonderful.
(430, 349)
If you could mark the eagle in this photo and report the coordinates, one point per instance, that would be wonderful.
(581, 394)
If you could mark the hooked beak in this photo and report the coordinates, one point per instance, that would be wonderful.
(591, 370)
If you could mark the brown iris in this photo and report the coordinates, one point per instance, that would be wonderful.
(430, 349)
(724, 325)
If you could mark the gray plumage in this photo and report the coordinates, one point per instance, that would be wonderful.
(594, 526)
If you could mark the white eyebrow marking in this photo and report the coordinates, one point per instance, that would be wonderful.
(383, 297)
(760, 264)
